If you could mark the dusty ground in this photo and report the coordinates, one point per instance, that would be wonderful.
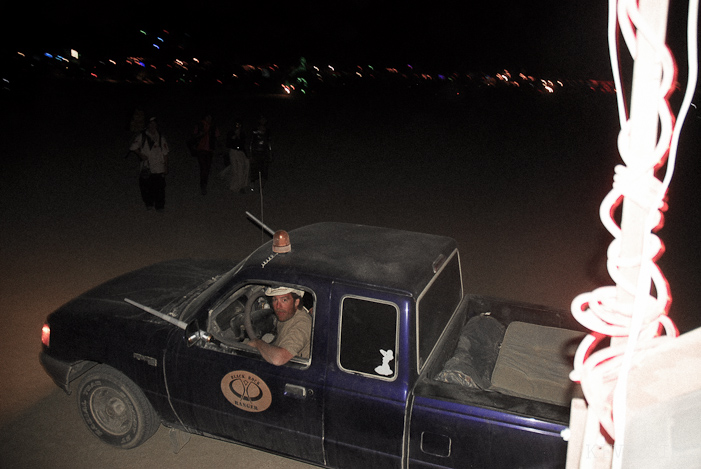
(516, 180)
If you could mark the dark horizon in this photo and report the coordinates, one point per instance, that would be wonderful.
(546, 38)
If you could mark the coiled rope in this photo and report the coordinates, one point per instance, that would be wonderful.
(603, 371)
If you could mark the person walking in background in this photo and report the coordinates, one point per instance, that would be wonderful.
(203, 145)
(152, 148)
(261, 152)
(239, 165)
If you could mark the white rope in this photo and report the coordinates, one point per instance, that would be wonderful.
(603, 374)
(666, 118)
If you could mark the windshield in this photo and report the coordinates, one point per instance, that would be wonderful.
(215, 285)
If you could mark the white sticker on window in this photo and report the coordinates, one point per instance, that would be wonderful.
(384, 369)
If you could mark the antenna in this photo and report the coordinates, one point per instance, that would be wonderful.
(263, 226)
(260, 190)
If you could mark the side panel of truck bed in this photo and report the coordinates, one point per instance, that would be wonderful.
(495, 391)
(445, 434)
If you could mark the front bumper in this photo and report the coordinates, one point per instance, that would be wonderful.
(64, 372)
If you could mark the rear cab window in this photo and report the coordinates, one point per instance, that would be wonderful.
(436, 306)
(368, 337)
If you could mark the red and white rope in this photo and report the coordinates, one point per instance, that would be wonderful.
(603, 373)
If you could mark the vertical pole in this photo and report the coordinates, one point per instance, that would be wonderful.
(260, 189)
(640, 156)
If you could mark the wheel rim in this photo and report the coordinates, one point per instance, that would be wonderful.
(111, 411)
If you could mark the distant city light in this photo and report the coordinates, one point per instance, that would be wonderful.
(317, 74)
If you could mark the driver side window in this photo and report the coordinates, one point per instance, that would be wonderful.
(252, 311)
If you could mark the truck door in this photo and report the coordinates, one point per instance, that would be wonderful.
(232, 393)
(366, 380)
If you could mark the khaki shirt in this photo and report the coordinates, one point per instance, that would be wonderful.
(294, 335)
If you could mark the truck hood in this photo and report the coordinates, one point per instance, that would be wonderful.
(166, 287)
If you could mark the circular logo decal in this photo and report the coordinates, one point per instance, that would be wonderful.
(246, 391)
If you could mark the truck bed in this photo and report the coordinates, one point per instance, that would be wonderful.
(506, 356)
(495, 391)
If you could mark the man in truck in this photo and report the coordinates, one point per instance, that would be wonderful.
(294, 327)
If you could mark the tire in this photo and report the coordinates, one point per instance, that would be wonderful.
(115, 409)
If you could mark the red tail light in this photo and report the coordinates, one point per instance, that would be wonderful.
(45, 335)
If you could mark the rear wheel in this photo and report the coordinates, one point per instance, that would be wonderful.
(115, 409)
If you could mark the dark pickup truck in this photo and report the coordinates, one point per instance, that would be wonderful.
(403, 369)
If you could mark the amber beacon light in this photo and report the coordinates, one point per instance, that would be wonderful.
(281, 241)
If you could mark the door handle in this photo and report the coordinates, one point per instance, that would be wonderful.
(298, 392)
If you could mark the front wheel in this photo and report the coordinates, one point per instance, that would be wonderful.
(115, 409)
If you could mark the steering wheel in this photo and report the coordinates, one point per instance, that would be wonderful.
(253, 297)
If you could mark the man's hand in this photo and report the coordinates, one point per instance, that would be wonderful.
(272, 354)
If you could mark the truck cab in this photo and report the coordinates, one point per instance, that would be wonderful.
(361, 286)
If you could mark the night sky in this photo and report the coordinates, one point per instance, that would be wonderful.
(546, 36)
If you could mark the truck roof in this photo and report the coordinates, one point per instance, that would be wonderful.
(369, 255)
